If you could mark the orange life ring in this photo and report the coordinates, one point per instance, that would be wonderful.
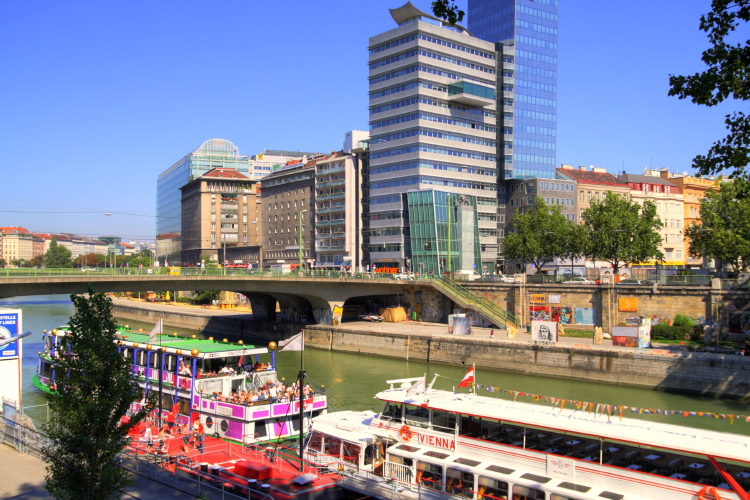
(708, 489)
(405, 433)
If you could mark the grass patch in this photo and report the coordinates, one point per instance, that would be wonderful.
(579, 334)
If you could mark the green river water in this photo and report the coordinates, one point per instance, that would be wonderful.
(351, 380)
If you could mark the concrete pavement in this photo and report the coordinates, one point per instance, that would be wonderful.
(22, 477)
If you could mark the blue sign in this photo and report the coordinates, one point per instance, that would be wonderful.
(9, 328)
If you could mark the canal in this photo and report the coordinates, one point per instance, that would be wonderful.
(351, 380)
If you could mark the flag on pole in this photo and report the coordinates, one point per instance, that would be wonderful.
(294, 343)
(468, 378)
(158, 330)
(239, 361)
(418, 386)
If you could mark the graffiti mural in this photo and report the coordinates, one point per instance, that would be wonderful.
(323, 316)
(259, 310)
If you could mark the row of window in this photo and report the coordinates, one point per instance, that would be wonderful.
(452, 167)
(536, 71)
(537, 101)
(528, 143)
(432, 55)
(536, 42)
(448, 120)
(535, 56)
(428, 69)
(536, 115)
(277, 206)
(288, 179)
(534, 159)
(408, 86)
(385, 247)
(539, 28)
(428, 132)
(528, 84)
(428, 38)
(426, 148)
(435, 181)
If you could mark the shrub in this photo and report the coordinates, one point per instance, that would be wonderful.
(670, 332)
(683, 320)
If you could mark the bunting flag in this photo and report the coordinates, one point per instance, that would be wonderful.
(418, 386)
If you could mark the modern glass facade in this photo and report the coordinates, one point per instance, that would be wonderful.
(438, 221)
(211, 154)
(526, 34)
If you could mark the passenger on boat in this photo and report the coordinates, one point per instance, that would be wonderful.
(184, 370)
(225, 370)
(200, 373)
(200, 436)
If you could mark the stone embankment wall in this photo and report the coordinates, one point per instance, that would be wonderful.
(702, 373)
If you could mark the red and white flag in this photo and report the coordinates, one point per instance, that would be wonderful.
(468, 378)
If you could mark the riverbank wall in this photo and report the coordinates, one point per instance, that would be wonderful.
(577, 359)
(701, 373)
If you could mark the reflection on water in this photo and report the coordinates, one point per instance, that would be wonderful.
(352, 380)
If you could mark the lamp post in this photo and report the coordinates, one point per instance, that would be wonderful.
(299, 237)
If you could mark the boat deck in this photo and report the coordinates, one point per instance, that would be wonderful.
(272, 469)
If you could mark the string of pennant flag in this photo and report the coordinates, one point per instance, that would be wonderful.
(612, 410)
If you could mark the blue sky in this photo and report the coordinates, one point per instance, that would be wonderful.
(98, 98)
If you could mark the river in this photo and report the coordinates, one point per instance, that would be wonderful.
(351, 380)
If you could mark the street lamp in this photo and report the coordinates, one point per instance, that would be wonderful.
(299, 237)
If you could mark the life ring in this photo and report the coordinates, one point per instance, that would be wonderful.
(405, 433)
(708, 489)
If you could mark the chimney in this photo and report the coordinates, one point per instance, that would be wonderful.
(566, 167)
(582, 169)
(599, 170)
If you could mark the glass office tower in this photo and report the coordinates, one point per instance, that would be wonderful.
(526, 34)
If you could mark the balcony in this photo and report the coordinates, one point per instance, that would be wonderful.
(335, 196)
(330, 183)
(471, 94)
(327, 171)
(337, 222)
(328, 210)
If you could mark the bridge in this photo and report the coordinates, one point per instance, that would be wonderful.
(312, 294)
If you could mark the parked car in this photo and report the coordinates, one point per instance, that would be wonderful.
(580, 281)
(371, 317)
(403, 276)
(506, 279)
(631, 281)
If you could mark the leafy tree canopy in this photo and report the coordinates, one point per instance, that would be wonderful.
(95, 387)
(205, 296)
(724, 231)
(541, 235)
(57, 257)
(726, 77)
(622, 231)
(446, 9)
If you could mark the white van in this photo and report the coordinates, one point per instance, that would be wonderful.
(465, 275)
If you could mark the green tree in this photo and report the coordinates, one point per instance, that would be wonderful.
(2, 263)
(57, 257)
(724, 230)
(446, 9)
(37, 261)
(88, 260)
(726, 77)
(621, 231)
(142, 258)
(95, 387)
(540, 235)
(205, 296)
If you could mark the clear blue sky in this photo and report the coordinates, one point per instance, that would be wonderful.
(97, 98)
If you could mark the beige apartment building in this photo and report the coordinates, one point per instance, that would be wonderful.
(592, 185)
(221, 219)
(17, 244)
(670, 208)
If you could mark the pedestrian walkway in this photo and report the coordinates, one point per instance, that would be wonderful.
(22, 477)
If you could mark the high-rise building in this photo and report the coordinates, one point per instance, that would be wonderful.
(526, 34)
(432, 127)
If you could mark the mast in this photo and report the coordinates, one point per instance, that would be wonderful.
(301, 400)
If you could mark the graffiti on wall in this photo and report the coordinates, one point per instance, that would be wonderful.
(323, 316)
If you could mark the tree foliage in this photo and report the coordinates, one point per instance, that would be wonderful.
(142, 258)
(541, 235)
(622, 231)
(727, 77)
(446, 9)
(95, 387)
(88, 260)
(205, 296)
(57, 257)
(724, 230)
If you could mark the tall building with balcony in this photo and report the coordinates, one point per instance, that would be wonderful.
(221, 218)
(432, 127)
(526, 34)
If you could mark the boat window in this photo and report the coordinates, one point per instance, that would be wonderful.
(459, 482)
(392, 410)
(333, 446)
(470, 426)
(208, 387)
(316, 442)
(555, 496)
(183, 406)
(611, 496)
(260, 430)
(573, 486)
(430, 475)
(46, 370)
(436, 454)
(154, 360)
(526, 493)
(491, 430)
(369, 450)
(141, 358)
(443, 420)
(169, 362)
(350, 453)
(492, 488)
(396, 459)
(416, 416)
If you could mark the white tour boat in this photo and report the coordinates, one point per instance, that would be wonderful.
(428, 443)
